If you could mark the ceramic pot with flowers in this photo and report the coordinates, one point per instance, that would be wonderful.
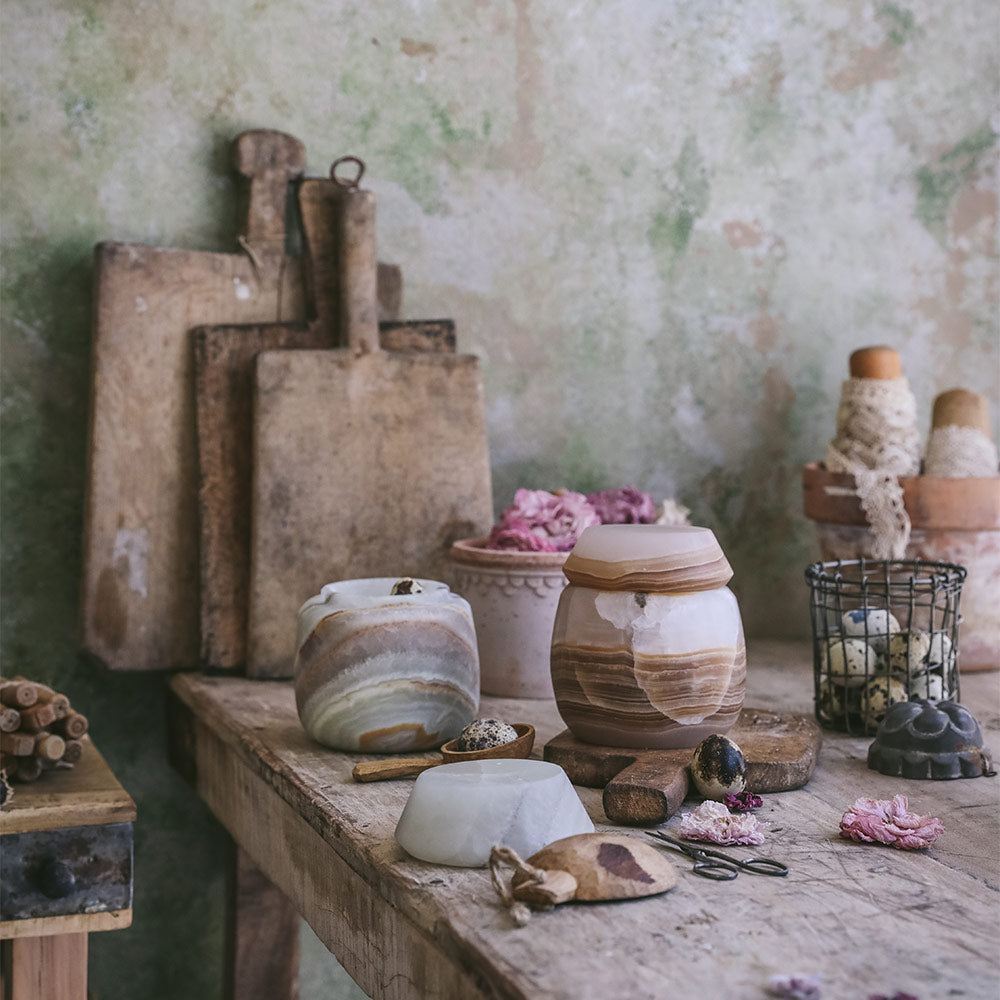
(513, 578)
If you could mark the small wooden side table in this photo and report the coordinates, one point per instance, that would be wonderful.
(65, 870)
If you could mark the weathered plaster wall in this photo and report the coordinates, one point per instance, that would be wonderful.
(662, 226)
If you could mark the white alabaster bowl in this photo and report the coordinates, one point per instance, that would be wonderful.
(385, 673)
(456, 813)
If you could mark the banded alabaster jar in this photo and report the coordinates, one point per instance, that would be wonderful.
(647, 646)
(382, 672)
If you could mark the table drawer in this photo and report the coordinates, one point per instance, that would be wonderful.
(81, 869)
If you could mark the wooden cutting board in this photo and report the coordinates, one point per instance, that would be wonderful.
(223, 370)
(139, 605)
(140, 573)
(648, 786)
(365, 462)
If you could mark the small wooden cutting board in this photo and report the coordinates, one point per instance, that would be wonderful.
(648, 786)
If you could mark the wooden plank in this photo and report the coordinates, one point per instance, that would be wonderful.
(867, 918)
(86, 794)
(70, 923)
(46, 968)
(263, 936)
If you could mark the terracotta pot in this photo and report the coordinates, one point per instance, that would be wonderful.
(953, 520)
(513, 596)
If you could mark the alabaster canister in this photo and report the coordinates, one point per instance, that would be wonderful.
(647, 647)
(382, 672)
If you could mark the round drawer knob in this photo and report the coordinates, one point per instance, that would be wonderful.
(56, 879)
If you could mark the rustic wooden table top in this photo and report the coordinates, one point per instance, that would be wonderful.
(868, 919)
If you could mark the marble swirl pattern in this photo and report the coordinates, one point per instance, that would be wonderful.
(648, 670)
(388, 679)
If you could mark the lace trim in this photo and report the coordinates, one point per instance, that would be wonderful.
(957, 452)
(877, 441)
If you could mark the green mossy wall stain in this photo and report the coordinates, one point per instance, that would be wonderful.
(686, 199)
(899, 23)
(940, 182)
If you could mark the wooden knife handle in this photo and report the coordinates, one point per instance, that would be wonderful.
(395, 767)
(269, 159)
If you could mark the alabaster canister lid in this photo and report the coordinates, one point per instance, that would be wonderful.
(650, 558)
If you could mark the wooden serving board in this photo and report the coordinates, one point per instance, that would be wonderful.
(648, 786)
(223, 373)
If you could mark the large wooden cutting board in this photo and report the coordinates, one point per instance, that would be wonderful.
(140, 602)
(648, 786)
(140, 573)
(365, 462)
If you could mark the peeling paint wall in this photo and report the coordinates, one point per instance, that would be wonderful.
(662, 226)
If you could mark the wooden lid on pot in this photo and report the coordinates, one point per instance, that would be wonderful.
(648, 558)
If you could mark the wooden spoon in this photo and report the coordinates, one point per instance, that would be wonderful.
(406, 767)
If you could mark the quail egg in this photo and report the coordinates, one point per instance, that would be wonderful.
(484, 734)
(928, 686)
(850, 661)
(941, 652)
(908, 652)
(718, 767)
(878, 695)
(407, 585)
(875, 624)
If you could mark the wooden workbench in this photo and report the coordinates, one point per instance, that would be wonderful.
(869, 919)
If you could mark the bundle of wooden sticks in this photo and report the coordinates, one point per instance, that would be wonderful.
(39, 729)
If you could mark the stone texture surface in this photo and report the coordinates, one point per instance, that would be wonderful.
(662, 228)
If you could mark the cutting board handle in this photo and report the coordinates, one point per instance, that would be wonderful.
(649, 791)
(358, 264)
(270, 160)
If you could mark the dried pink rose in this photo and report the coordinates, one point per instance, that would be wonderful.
(556, 519)
(626, 505)
(742, 801)
(518, 536)
(713, 822)
(797, 987)
(881, 821)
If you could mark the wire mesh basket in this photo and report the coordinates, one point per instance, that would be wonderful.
(883, 631)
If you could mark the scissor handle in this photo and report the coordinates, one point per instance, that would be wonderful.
(719, 871)
(763, 866)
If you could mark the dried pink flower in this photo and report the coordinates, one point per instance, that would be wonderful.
(556, 519)
(742, 801)
(519, 536)
(626, 505)
(797, 987)
(882, 821)
(713, 822)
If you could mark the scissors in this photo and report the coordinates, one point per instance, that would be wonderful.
(719, 866)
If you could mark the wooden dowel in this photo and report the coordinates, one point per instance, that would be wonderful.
(37, 717)
(18, 744)
(72, 752)
(72, 726)
(961, 408)
(10, 719)
(403, 767)
(876, 362)
(49, 747)
(18, 694)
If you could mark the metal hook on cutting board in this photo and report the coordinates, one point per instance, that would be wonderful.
(346, 181)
